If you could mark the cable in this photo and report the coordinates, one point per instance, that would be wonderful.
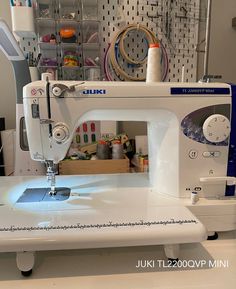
(119, 38)
(166, 61)
(105, 64)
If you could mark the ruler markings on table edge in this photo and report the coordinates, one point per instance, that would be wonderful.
(110, 224)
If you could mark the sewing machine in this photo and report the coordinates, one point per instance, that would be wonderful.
(191, 152)
(188, 127)
(189, 140)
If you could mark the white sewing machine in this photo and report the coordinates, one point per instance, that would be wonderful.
(189, 150)
(188, 133)
(188, 127)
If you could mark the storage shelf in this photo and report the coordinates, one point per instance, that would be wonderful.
(86, 25)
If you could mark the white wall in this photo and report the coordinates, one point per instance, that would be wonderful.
(7, 85)
(222, 57)
(223, 40)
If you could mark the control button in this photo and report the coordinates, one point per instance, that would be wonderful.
(211, 154)
(188, 189)
(217, 154)
(206, 154)
(193, 154)
(197, 189)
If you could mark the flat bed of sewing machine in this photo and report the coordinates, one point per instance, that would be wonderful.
(102, 211)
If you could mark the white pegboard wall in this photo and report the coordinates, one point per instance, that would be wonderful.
(174, 22)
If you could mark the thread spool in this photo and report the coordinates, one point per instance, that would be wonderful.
(117, 151)
(194, 198)
(145, 165)
(103, 151)
(154, 63)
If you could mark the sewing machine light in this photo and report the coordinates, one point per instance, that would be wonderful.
(8, 43)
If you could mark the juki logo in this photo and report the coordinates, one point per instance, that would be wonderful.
(94, 91)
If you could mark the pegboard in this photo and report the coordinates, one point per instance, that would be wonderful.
(29, 45)
(174, 22)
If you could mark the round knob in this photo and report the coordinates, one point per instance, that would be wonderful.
(60, 133)
(216, 128)
(57, 91)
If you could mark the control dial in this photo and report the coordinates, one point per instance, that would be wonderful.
(60, 133)
(216, 128)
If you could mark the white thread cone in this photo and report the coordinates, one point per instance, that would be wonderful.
(154, 64)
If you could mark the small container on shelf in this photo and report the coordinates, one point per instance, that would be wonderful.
(48, 61)
(90, 31)
(92, 73)
(68, 31)
(47, 35)
(71, 62)
(89, 9)
(69, 10)
(91, 61)
(45, 9)
(70, 57)
(49, 57)
(71, 73)
(91, 54)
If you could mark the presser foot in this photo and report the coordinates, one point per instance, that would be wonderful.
(52, 192)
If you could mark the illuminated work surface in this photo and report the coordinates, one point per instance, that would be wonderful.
(102, 211)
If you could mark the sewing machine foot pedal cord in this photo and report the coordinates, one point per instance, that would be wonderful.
(43, 195)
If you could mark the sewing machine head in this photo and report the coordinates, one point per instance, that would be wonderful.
(188, 125)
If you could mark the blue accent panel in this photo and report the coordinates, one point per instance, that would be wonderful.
(231, 170)
(229, 191)
(191, 125)
(197, 90)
